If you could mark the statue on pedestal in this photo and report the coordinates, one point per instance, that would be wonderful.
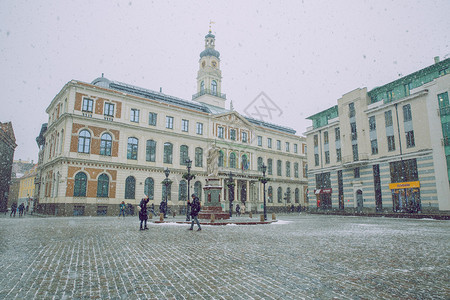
(212, 162)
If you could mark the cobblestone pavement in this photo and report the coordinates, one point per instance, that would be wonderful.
(299, 257)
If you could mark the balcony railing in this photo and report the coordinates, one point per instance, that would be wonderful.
(208, 92)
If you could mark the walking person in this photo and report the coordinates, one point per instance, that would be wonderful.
(143, 216)
(195, 209)
(238, 210)
(122, 207)
(21, 208)
(13, 209)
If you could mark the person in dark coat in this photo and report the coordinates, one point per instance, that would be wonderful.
(143, 216)
(195, 209)
(13, 209)
(21, 209)
(238, 209)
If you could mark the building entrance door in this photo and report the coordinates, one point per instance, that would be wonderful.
(359, 201)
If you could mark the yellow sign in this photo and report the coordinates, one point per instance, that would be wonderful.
(404, 185)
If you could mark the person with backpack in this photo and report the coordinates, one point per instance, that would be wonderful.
(195, 209)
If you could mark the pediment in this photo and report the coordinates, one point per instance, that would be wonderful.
(233, 119)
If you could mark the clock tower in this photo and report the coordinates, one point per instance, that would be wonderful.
(209, 76)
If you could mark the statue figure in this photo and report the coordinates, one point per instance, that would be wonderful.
(212, 162)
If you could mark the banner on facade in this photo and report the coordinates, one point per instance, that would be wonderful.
(404, 185)
(322, 191)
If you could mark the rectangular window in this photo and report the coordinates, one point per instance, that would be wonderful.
(169, 122)
(279, 166)
(199, 128)
(372, 124)
(233, 134)
(351, 110)
(152, 118)
(374, 146)
(295, 148)
(278, 145)
(185, 125)
(388, 118)
(134, 115)
(390, 95)
(316, 140)
(354, 133)
(244, 137)
(407, 89)
(305, 170)
(288, 169)
(356, 173)
(337, 133)
(109, 109)
(407, 116)
(327, 157)
(220, 132)
(87, 104)
(391, 143)
(287, 147)
(410, 139)
(269, 143)
(296, 170)
(338, 155)
(325, 138)
(259, 140)
(316, 159)
(269, 167)
(355, 152)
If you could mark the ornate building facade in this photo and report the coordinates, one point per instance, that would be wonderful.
(108, 142)
(386, 149)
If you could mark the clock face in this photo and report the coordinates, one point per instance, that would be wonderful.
(214, 63)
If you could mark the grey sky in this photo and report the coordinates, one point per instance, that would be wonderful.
(303, 54)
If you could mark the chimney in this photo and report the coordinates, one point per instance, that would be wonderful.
(436, 59)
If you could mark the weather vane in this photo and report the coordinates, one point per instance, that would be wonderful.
(211, 22)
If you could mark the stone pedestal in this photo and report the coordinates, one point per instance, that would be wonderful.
(211, 205)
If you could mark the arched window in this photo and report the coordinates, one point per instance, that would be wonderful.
(232, 160)
(288, 169)
(182, 191)
(130, 187)
(279, 172)
(150, 151)
(221, 159)
(79, 189)
(260, 163)
(297, 195)
(288, 195)
(169, 192)
(244, 162)
(198, 157)
(280, 195)
(132, 149)
(202, 86)
(184, 154)
(269, 167)
(105, 144)
(168, 151)
(198, 189)
(214, 87)
(270, 194)
(103, 185)
(84, 141)
(149, 187)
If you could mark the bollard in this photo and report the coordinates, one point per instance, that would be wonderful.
(213, 218)
(161, 217)
(261, 218)
(273, 217)
(250, 215)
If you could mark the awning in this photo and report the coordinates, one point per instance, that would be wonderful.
(322, 191)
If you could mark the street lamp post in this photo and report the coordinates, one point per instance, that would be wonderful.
(264, 180)
(166, 183)
(188, 177)
(230, 186)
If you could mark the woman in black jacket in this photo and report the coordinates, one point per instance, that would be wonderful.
(143, 216)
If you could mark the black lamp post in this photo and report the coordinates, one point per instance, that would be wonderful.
(166, 183)
(264, 181)
(230, 186)
(188, 177)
